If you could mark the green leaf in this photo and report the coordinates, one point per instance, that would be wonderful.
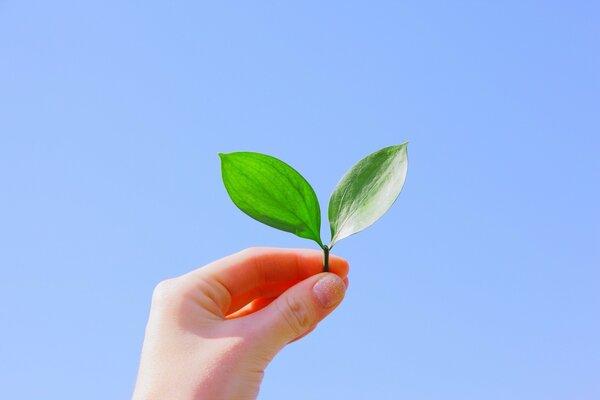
(367, 191)
(272, 192)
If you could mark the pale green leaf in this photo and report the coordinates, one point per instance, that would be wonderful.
(367, 191)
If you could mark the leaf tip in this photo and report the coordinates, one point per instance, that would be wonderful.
(223, 156)
(402, 147)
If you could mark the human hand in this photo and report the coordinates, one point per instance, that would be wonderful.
(212, 332)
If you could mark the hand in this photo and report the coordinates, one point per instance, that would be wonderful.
(212, 332)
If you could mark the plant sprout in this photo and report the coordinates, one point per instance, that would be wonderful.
(272, 192)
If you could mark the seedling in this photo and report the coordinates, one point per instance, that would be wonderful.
(272, 192)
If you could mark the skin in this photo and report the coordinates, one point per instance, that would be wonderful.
(212, 332)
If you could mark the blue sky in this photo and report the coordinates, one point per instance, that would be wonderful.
(483, 280)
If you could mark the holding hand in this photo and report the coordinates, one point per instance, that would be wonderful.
(212, 332)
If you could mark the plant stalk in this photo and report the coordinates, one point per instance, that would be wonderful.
(325, 258)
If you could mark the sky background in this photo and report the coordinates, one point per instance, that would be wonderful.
(483, 280)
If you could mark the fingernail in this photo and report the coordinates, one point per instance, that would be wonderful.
(329, 290)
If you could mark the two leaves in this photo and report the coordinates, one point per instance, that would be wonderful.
(272, 192)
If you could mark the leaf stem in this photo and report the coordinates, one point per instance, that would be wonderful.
(325, 258)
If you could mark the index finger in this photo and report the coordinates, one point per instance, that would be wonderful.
(257, 266)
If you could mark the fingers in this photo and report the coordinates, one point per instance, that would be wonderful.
(247, 304)
(296, 312)
(257, 272)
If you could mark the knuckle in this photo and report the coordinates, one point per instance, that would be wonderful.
(250, 251)
(296, 315)
(165, 292)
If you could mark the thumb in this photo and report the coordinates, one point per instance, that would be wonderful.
(298, 310)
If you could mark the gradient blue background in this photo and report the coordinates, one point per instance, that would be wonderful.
(483, 280)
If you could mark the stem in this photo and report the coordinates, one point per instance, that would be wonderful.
(325, 258)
